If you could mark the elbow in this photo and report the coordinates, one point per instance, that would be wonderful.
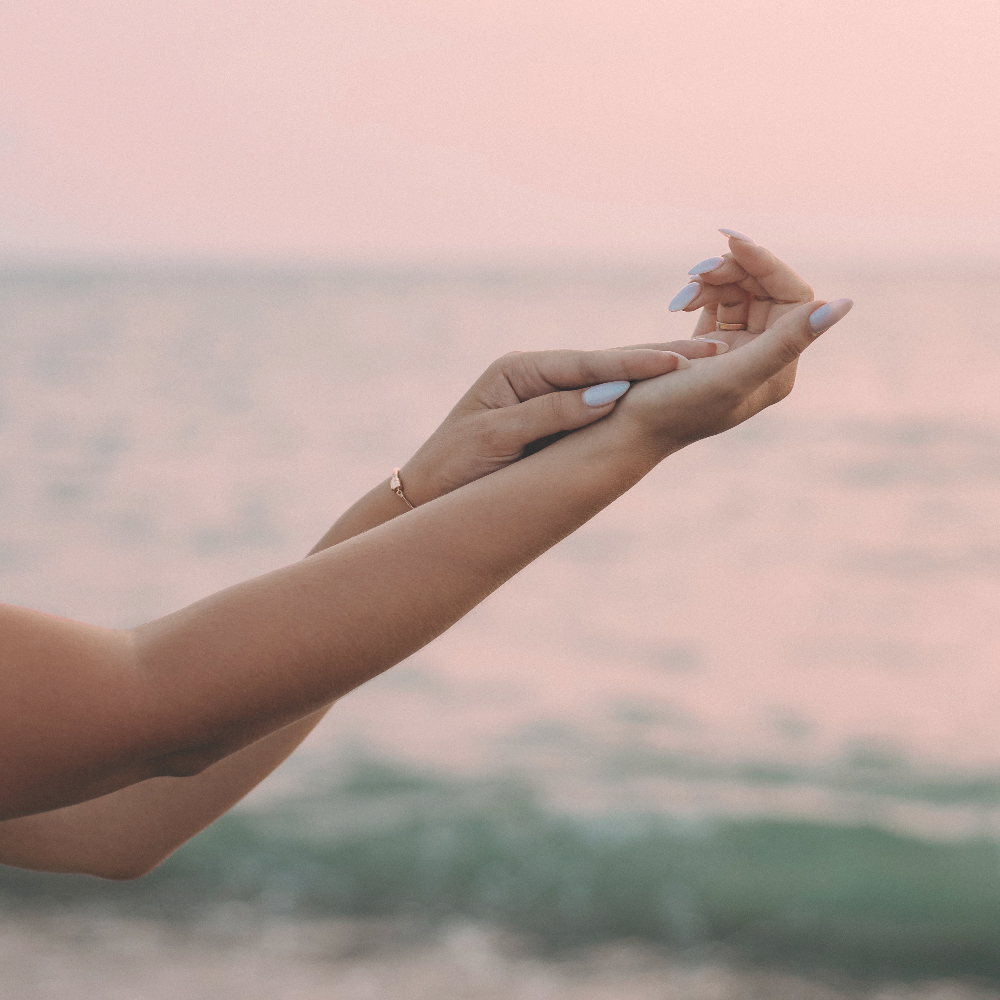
(124, 874)
(188, 763)
(120, 868)
(125, 869)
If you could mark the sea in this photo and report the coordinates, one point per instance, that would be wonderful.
(738, 736)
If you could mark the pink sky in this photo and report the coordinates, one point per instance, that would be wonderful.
(477, 131)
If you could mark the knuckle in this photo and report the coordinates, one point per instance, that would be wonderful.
(787, 352)
(502, 431)
(554, 409)
(500, 371)
(588, 366)
(521, 363)
(489, 437)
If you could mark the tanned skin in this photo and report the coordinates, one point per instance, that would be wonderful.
(118, 746)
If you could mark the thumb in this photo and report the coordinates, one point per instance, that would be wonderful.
(557, 412)
(775, 349)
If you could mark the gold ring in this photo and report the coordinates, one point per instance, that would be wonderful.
(730, 326)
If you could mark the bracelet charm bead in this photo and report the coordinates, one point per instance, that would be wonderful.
(396, 485)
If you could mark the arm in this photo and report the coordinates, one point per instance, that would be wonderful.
(306, 634)
(97, 711)
(127, 832)
(175, 696)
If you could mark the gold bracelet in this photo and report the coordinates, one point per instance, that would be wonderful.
(396, 485)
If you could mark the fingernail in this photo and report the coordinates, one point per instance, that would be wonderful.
(709, 264)
(684, 297)
(737, 235)
(720, 345)
(833, 312)
(606, 392)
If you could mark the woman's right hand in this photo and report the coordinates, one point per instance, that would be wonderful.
(750, 286)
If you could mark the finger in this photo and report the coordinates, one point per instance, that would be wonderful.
(706, 348)
(777, 279)
(535, 373)
(760, 312)
(557, 412)
(705, 329)
(736, 314)
(728, 272)
(777, 348)
(696, 295)
(708, 322)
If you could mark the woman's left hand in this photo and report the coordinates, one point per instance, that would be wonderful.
(527, 396)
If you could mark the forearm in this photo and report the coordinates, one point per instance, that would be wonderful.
(87, 711)
(128, 832)
(309, 633)
(215, 677)
(376, 507)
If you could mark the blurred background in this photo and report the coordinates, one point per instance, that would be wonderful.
(738, 736)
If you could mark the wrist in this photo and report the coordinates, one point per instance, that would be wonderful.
(419, 483)
(619, 450)
(624, 434)
(376, 507)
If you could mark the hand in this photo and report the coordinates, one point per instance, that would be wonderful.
(747, 286)
(525, 397)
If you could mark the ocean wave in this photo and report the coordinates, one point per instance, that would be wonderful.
(385, 841)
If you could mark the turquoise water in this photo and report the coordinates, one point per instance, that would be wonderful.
(751, 706)
(381, 841)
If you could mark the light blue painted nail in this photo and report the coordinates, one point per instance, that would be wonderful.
(709, 264)
(833, 312)
(606, 392)
(685, 297)
(737, 235)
